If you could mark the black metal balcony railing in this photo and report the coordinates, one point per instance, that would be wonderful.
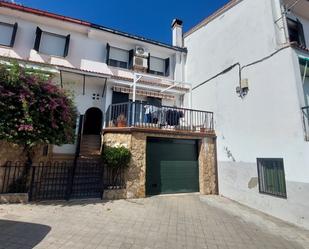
(305, 111)
(142, 115)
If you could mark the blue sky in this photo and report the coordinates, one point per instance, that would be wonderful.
(150, 19)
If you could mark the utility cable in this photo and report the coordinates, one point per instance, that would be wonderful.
(241, 67)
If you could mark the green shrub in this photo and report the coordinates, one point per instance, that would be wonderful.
(116, 157)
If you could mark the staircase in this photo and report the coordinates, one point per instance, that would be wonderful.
(90, 146)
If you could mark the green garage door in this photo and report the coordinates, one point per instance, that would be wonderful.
(172, 166)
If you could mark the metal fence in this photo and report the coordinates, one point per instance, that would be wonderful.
(12, 180)
(59, 180)
(114, 178)
(143, 115)
(305, 111)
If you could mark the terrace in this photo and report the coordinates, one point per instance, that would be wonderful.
(158, 118)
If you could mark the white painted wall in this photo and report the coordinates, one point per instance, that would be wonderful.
(87, 51)
(91, 97)
(267, 122)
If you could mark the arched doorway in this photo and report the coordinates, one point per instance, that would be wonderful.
(93, 121)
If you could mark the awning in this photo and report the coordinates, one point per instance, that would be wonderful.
(304, 66)
(143, 93)
(303, 59)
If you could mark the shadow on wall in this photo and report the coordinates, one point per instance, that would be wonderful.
(31, 234)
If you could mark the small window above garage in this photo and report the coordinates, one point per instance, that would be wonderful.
(8, 34)
(51, 44)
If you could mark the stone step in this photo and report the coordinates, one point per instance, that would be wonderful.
(90, 145)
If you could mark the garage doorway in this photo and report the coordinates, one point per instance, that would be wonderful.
(171, 166)
(93, 121)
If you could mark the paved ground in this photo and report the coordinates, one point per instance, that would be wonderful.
(157, 222)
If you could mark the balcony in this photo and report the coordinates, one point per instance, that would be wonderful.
(150, 118)
(305, 111)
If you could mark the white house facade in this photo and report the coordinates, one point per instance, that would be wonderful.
(248, 64)
(251, 70)
(92, 61)
(129, 91)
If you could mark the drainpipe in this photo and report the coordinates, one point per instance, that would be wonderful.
(285, 23)
(280, 23)
(136, 78)
(305, 72)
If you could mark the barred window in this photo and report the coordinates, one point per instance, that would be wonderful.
(271, 176)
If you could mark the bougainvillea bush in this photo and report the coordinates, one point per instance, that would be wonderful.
(33, 110)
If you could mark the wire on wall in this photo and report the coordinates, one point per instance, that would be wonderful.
(241, 68)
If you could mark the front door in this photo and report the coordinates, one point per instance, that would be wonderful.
(93, 121)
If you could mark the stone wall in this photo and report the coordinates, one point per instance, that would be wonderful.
(12, 152)
(208, 166)
(136, 172)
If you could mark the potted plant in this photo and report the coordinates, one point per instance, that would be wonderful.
(121, 120)
(203, 129)
(116, 160)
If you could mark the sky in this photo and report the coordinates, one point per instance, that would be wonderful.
(149, 19)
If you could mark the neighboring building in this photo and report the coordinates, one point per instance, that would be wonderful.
(248, 63)
(131, 87)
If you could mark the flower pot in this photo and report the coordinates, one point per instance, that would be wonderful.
(121, 124)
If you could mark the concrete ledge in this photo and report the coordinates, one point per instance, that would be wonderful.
(208, 133)
(14, 198)
(114, 194)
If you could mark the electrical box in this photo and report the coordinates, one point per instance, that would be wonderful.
(244, 84)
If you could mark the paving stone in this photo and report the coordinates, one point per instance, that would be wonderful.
(162, 222)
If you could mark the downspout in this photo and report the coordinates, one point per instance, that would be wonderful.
(305, 72)
(285, 23)
(280, 22)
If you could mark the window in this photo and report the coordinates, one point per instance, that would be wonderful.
(159, 66)
(271, 176)
(154, 101)
(117, 57)
(51, 44)
(8, 34)
(296, 32)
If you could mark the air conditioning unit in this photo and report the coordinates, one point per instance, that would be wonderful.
(141, 52)
(140, 62)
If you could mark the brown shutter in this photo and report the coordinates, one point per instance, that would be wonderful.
(131, 57)
(108, 48)
(167, 67)
(14, 34)
(148, 63)
(37, 39)
(67, 45)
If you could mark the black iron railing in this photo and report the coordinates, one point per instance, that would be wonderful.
(60, 180)
(114, 178)
(13, 178)
(134, 114)
(305, 111)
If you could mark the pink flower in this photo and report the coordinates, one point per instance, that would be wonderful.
(25, 127)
